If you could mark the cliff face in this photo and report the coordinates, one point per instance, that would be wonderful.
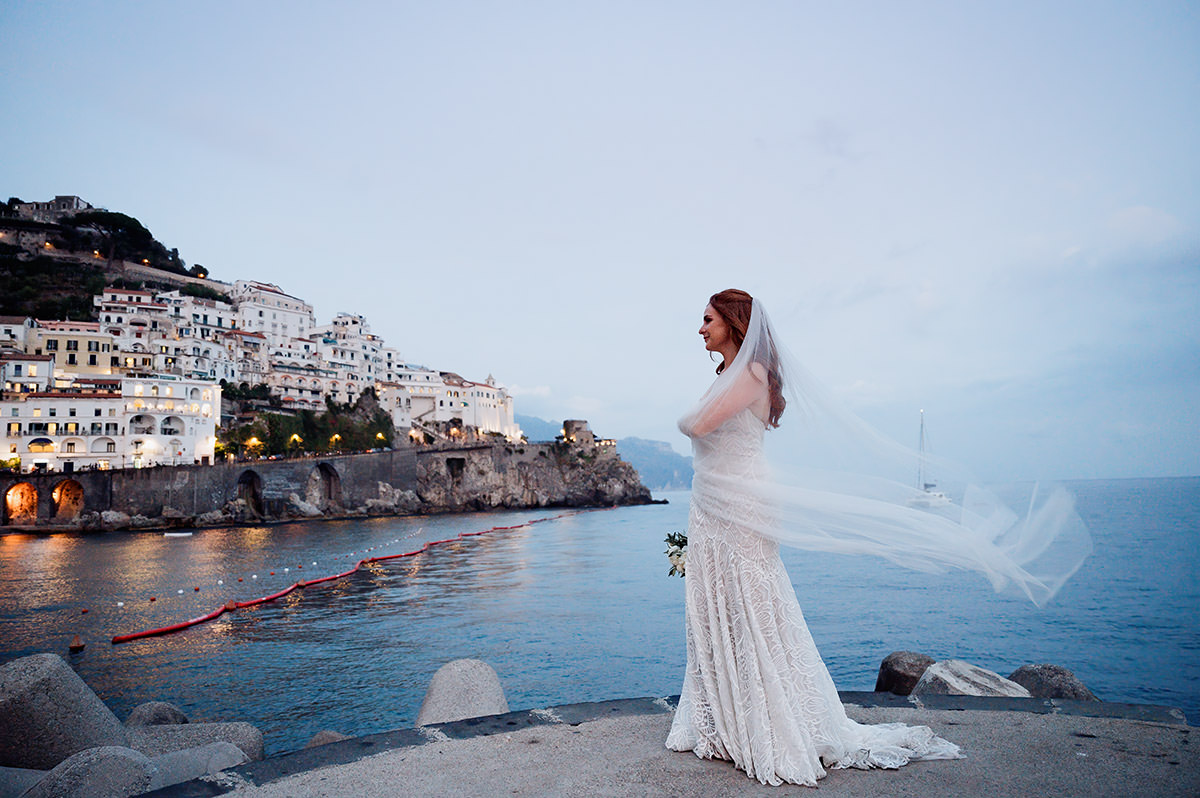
(527, 475)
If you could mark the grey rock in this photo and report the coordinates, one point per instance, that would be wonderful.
(104, 772)
(114, 519)
(325, 737)
(299, 507)
(48, 713)
(171, 512)
(955, 677)
(139, 521)
(1051, 681)
(156, 713)
(900, 671)
(192, 763)
(14, 781)
(462, 688)
(158, 740)
(212, 518)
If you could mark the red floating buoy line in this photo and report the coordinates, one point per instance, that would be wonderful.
(231, 606)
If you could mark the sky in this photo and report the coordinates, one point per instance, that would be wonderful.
(989, 211)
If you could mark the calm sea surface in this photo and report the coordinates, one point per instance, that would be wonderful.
(574, 609)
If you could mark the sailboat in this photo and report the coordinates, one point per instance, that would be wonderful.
(929, 495)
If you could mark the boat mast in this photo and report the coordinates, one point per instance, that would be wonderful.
(921, 459)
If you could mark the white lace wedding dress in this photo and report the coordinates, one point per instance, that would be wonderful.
(756, 691)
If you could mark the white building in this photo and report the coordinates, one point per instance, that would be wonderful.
(426, 399)
(26, 373)
(264, 308)
(14, 331)
(115, 422)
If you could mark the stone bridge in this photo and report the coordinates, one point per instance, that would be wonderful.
(329, 483)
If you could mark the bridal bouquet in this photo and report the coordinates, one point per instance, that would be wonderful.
(677, 553)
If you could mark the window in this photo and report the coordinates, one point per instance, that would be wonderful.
(37, 412)
(52, 345)
(72, 345)
(91, 360)
(70, 411)
(32, 370)
(96, 412)
(17, 370)
(93, 346)
(69, 446)
(71, 359)
(110, 446)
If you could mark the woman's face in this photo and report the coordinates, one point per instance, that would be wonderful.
(714, 330)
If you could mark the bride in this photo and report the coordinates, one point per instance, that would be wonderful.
(755, 690)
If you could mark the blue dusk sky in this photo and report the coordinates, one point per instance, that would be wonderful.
(987, 210)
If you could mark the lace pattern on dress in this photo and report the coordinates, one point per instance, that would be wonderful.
(755, 690)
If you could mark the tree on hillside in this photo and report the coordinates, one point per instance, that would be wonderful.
(119, 235)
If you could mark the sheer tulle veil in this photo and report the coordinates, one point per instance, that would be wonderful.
(838, 485)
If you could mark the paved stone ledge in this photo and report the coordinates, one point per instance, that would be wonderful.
(345, 752)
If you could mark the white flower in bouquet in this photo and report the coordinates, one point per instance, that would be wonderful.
(677, 553)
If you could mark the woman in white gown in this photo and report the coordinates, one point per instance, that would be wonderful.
(755, 689)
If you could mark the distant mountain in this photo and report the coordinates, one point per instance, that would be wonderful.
(538, 429)
(660, 466)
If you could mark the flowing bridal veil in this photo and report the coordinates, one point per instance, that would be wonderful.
(835, 484)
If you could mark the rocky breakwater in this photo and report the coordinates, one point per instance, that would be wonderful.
(910, 673)
(60, 739)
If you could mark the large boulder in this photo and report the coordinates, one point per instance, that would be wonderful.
(462, 688)
(1051, 681)
(955, 677)
(156, 713)
(103, 772)
(212, 518)
(114, 519)
(900, 671)
(300, 508)
(48, 713)
(157, 740)
(325, 737)
(192, 763)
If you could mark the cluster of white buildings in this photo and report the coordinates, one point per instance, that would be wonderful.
(141, 385)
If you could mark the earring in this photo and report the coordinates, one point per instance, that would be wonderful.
(710, 356)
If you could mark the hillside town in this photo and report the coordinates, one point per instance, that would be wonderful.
(149, 380)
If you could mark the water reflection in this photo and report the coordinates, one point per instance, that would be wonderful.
(575, 609)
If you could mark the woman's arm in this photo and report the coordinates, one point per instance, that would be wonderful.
(748, 390)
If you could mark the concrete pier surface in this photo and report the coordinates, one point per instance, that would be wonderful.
(1013, 747)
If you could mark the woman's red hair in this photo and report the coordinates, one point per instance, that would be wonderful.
(734, 307)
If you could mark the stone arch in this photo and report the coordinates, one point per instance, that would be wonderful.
(324, 488)
(68, 500)
(171, 425)
(20, 504)
(40, 445)
(249, 487)
(142, 424)
(102, 445)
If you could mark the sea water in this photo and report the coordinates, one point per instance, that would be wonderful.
(575, 608)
